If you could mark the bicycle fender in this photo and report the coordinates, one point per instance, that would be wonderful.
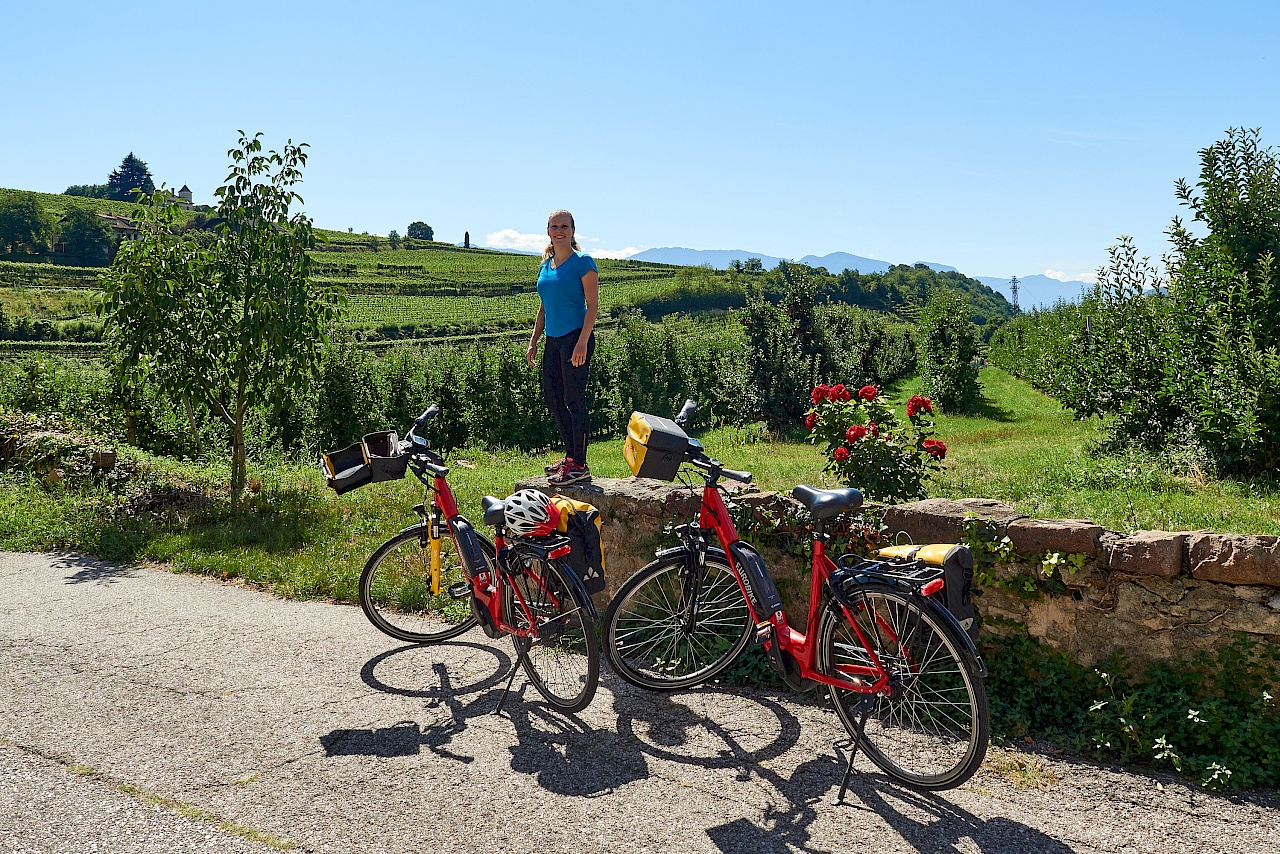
(969, 649)
(581, 595)
(688, 554)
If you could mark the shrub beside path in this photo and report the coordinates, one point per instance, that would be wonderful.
(145, 711)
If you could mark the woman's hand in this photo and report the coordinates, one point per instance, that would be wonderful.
(579, 357)
(531, 354)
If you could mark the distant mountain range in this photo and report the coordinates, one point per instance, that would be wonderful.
(1035, 290)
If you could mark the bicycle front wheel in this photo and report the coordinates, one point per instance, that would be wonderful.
(396, 594)
(931, 731)
(675, 624)
(555, 638)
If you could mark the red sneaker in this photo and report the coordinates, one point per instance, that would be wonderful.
(571, 473)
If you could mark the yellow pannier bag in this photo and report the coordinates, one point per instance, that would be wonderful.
(957, 593)
(580, 522)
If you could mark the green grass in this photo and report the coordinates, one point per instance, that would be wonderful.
(297, 537)
(48, 303)
(1024, 449)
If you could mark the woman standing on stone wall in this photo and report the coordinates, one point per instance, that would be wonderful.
(568, 286)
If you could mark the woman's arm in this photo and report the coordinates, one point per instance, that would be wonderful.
(532, 353)
(591, 290)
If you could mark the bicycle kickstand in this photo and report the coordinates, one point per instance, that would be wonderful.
(848, 774)
(515, 665)
(854, 740)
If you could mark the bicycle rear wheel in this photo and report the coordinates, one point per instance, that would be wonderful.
(659, 636)
(395, 589)
(562, 657)
(931, 731)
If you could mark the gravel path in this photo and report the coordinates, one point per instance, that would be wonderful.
(143, 711)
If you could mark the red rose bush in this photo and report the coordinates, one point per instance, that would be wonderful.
(870, 447)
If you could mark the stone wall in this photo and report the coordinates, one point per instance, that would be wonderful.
(1152, 594)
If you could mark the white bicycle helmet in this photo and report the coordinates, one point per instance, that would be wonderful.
(530, 513)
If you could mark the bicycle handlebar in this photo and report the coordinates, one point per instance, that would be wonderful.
(682, 417)
(697, 457)
(715, 469)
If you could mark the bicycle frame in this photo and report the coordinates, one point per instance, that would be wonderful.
(774, 629)
(487, 583)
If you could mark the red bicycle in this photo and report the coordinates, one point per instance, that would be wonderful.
(425, 586)
(904, 677)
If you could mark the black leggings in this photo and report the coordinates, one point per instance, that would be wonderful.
(565, 389)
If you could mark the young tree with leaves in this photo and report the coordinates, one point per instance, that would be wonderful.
(948, 347)
(393, 239)
(23, 222)
(223, 326)
(85, 234)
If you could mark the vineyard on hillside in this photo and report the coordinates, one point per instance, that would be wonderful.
(433, 291)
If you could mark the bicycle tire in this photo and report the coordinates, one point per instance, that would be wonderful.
(563, 661)
(395, 590)
(931, 732)
(644, 640)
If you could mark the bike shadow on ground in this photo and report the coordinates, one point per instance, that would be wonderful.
(561, 752)
(85, 570)
(929, 822)
(937, 826)
(567, 756)
(407, 738)
(926, 821)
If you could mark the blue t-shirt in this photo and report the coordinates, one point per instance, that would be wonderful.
(564, 302)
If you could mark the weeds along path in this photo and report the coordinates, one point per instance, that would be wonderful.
(251, 722)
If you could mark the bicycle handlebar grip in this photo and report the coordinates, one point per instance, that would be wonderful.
(740, 476)
(682, 418)
(427, 415)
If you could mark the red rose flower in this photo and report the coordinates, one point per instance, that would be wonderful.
(935, 449)
(839, 392)
(841, 454)
(819, 394)
(917, 403)
(854, 433)
(868, 392)
(810, 420)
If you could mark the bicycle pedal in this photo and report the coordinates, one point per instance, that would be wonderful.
(459, 590)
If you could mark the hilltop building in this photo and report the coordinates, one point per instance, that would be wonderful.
(122, 228)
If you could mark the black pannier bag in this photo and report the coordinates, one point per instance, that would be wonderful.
(580, 522)
(957, 574)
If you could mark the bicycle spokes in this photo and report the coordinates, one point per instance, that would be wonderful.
(926, 723)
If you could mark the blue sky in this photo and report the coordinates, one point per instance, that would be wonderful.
(1001, 138)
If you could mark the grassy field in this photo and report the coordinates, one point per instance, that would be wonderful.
(299, 538)
(57, 205)
(48, 303)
